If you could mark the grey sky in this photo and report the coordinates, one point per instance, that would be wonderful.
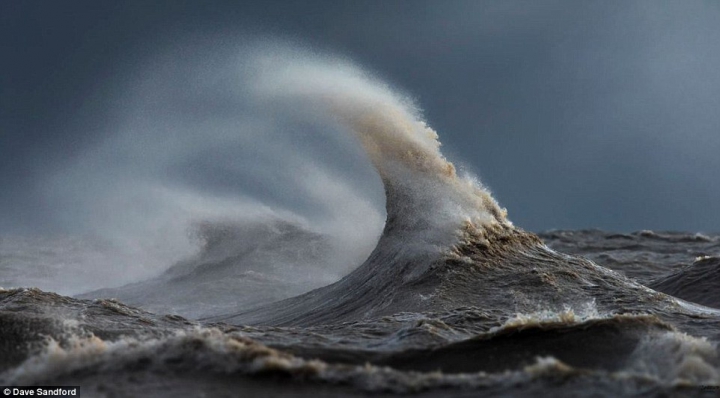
(575, 114)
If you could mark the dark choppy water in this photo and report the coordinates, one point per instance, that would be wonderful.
(511, 317)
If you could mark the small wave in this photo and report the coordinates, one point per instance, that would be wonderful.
(698, 282)
(240, 265)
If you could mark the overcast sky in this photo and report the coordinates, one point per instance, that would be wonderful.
(576, 114)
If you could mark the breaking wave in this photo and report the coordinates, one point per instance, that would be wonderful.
(451, 295)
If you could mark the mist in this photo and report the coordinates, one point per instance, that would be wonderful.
(193, 143)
